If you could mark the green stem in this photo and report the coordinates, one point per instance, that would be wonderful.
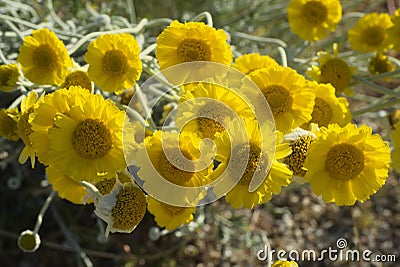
(376, 87)
(43, 210)
(376, 107)
(205, 15)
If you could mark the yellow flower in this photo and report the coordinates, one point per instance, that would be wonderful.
(192, 41)
(82, 133)
(78, 78)
(168, 216)
(288, 94)
(8, 123)
(170, 161)
(122, 209)
(28, 105)
(333, 70)
(9, 75)
(328, 108)
(249, 63)
(394, 31)
(380, 64)
(395, 137)
(44, 58)
(28, 241)
(345, 164)
(206, 108)
(311, 19)
(370, 34)
(281, 263)
(66, 187)
(248, 155)
(114, 62)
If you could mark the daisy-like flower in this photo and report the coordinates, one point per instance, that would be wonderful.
(249, 63)
(345, 164)
(380, 64)
(328, 108)
(192, 41)
(170, 161)
(168, 216)
(299, 141)
(44, 58)
(122, 209)
(394, 31)
(206, 108)
(66, 187)
(311, 19)
(248, 154)
(80, 134)
(370, 34)
(333, 70)
(395, 137)
(24, 126)
(9, 75)
(78, 77)
(282, 263)
(114, 62)
(8, 123)
(289, 96)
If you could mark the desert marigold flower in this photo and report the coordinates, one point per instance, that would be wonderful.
(9, 75)
(8, 123)
(249, 150)
(345, 164)
(78, 78)
(328, 108)
(206, 108)
(168, 216)
(114, 62)
(173, 158)
(333, 70)
(288, 94)
(28, 241)
(66, 187)
(24, 126)
(122, 209)
(380, 64)
(192, 41)
(370, 34)
(282, 263)
(249, 63)
(395, 137)
(394, 31)
(311, 19)
(44, 58)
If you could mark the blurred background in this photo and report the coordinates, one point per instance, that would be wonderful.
(220, 236)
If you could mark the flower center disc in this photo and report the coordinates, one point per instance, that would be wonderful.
(78, 78)
(45, 57)
(373, 36)
(344, 161)
(336, 72)
(211, 117)
(173, 168)
(322, 113)
(91, 139)
(115, 63)
(5, 75)
(253, 160)
(315, 12)
(296, 159)
(193, 50)
(129, 209)
(278, 98)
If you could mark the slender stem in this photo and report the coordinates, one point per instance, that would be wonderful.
(148, 50)
(376, 107)
(376, 87)
(205, 15)
(55, 17)
(89, 36)
(131, 11)
(135, 114)
(43, 210)
(3, 58)
(146, 109)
